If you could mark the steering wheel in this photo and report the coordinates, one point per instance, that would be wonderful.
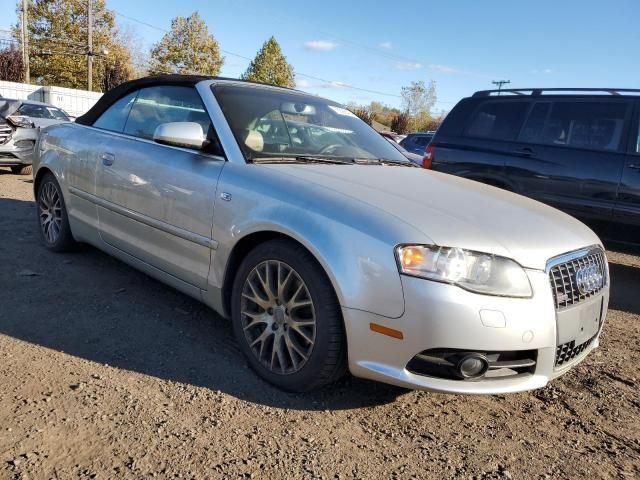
(329, 149)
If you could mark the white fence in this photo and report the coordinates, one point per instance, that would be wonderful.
(74, 102)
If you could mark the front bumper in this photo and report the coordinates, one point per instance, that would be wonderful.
(19, 150)
(441, 316)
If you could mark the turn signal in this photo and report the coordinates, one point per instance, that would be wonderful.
(389, 332)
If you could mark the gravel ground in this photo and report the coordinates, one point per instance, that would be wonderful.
(106, 373)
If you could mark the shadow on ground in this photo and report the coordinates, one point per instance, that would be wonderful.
(92, 306)
(625, 281)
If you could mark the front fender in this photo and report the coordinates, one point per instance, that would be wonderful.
(353, 243)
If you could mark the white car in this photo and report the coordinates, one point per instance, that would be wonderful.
(20, 123)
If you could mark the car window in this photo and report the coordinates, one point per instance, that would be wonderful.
(533, 127)
(497, 120)
(279, 123)
(638, 141)
(593, 125)
(115, 117)
(57, 113)
(422, 141)
(34, 111)
(163, 104)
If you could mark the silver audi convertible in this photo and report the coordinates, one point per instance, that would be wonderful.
(323, 245)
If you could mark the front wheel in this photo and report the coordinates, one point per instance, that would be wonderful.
(287, 319)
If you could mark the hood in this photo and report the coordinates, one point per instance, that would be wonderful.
(455, 212)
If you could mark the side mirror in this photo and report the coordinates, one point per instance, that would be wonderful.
(180, 134)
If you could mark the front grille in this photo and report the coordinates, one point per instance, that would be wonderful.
(568, 351)
(563, 278)
(5, 133)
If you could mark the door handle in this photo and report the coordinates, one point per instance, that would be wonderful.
(524, 152)
(635, 166)
(107, 159)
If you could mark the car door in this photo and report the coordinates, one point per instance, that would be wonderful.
(627, 209)
(156, 201)
(570, 155)
(483, 146)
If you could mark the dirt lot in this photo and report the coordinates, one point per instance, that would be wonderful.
(106, 373)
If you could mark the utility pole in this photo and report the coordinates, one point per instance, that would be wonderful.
(500, 83)
(25, 42)
(89, 45)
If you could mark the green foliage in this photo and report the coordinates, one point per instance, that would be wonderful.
(11, 65)
(270, 66)
(57, 32)
(187, 48)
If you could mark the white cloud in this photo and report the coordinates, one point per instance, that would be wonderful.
(320, 45)
(443, 69)
(336, 85)
(545, 70)
(408, 66)
(302, 83)
(385, 45)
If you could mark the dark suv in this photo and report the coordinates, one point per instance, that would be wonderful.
(575, 149)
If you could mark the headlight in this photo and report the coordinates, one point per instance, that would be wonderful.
(475, 271)
(20, 121)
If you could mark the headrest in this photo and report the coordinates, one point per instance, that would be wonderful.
(254, 140)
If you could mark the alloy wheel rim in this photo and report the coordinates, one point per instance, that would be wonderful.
(50, 206)
(278, 317)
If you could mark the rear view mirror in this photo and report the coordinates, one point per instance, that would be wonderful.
(297, 108)
(180, 134)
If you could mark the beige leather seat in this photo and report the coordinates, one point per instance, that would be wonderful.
(254, 140)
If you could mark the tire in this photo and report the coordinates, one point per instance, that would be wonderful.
(22, 170)
(52, 216)
(304, 365)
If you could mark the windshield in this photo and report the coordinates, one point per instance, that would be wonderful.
(274, 123)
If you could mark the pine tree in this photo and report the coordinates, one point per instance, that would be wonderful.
(270, 66)
(187, 48)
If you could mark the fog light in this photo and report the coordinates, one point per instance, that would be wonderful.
(24, 144)
(473, 365)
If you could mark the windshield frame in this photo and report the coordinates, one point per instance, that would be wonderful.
(218, 90)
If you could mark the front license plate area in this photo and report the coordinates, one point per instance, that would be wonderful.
(581, 322)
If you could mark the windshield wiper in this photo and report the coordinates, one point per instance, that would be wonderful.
(302, 159)
(383, 161)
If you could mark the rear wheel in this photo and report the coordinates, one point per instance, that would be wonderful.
(287, 319)
(22, 170)
(52, 216)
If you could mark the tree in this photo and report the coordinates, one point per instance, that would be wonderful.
(363, 114)
(187, 48)
(417, 101)
(400, 123)
(11, 65)
(57, 32)
(115, 73)
(418, 98)
(382, 113)
(270, 66)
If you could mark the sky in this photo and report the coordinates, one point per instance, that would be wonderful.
(362, 51)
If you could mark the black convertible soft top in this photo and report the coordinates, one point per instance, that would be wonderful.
(123, 89)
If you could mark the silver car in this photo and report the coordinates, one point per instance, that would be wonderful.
(20, 123)
(324, 246)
